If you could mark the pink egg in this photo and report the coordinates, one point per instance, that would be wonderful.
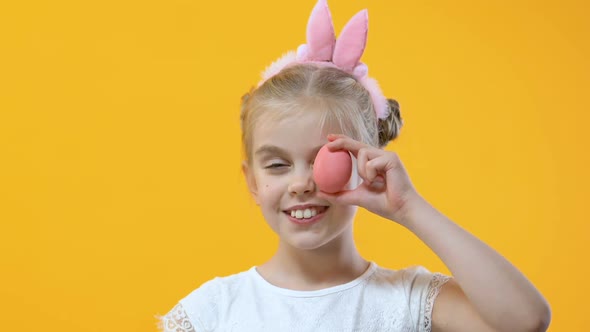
(332, 169)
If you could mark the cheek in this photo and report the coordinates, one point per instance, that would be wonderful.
(345, 214)
(268, 185)
(270, 182)
(270, 188)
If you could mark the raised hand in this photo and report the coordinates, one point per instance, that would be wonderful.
(386, 188)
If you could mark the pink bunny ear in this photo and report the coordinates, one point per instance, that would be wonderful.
(320, 33)
(351, 42)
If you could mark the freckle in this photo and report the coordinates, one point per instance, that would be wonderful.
(267, 185)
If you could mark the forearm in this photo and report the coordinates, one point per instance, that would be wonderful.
(503, 297)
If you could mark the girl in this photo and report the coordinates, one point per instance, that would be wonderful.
(317, 280)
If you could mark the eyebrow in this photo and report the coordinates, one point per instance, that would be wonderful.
(269, 149)
(273, 149)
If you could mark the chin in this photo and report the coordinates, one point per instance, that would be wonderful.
(307, 245)
(308, 241)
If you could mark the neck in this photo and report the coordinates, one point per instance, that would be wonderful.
(333, 264)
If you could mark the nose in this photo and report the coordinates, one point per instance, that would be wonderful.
(302, 182)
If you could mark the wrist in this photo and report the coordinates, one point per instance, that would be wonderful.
(413, 203)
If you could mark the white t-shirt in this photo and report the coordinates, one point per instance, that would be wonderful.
(379, 300)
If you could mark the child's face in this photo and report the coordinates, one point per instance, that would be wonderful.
(280, 178)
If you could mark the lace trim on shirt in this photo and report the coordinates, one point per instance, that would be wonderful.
(433, 288)
(176, 321)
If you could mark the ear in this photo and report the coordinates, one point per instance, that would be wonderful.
(250, 180)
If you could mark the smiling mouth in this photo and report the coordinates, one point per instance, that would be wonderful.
(307, 213)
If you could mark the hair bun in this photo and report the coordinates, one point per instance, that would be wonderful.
(390, 127)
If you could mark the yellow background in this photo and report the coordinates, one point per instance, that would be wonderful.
(120, 185)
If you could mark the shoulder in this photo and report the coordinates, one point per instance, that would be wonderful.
(411, 278)
(212, 290)
(417, 282)
(420, 288)
(202, 306)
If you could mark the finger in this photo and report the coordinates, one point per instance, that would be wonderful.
(345, 197)
(361, 162)
(371, 168)
(332, 137)
(347, 143)
(342, 142)
(378, 184)
(379, 166)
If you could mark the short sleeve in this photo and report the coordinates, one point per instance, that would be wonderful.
(176, 321)
(197, 312)
(422, 287)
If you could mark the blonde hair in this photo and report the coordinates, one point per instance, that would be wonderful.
(338, 95)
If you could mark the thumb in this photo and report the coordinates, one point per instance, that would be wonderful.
(345, 197)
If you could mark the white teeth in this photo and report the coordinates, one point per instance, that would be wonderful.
(307, 213)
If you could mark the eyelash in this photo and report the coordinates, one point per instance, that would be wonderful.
(278, 165)
(275, 165)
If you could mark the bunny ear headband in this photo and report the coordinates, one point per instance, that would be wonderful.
(323, 49)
